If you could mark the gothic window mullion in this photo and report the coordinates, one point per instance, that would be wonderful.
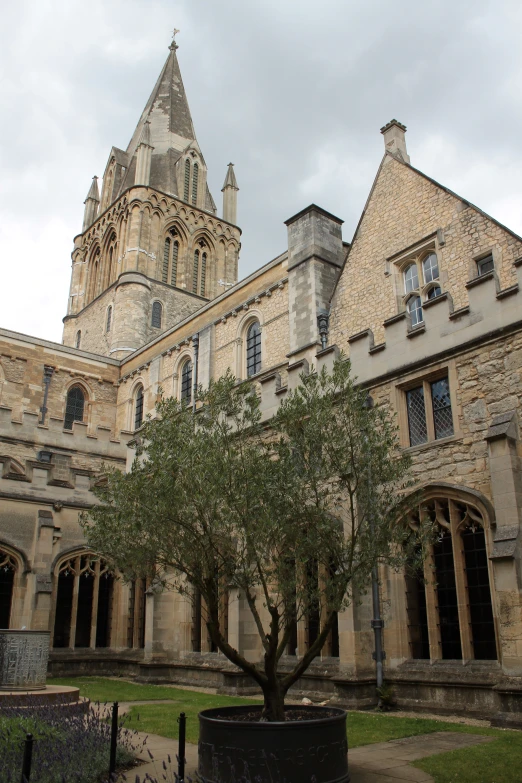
(461, 585)
(432, 608)
(94, 615)
(429, 411)
(74, 613)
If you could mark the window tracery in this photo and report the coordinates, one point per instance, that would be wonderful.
(449, 603)
(83, 602)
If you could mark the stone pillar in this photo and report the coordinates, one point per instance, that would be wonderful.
(315, 257)
(149, 624)
(506, 557)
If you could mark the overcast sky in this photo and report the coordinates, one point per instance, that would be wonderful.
(293, 92)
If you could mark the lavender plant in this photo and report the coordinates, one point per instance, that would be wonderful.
(70, 744)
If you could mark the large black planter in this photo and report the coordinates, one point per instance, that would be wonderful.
(299, 751)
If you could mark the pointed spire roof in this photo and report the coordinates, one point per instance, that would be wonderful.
(230, 179)
(93, 193)
(167, 110)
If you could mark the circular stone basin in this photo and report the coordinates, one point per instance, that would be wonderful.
(57, 695)
(311, 749)
(23, 659)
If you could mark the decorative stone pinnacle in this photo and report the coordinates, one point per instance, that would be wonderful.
(391, 124)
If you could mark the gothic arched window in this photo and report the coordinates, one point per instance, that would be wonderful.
(83, 603)
(203, 274)
(109, 319)
(195, 273)
(195, 174)
(74, 407)
(138, 407)
(8, 568)
(253, 349)
(450, 613)
(157, 310)
(186, 184)
(186, 382)
(78, 338)
(166, 260)
(174, 269)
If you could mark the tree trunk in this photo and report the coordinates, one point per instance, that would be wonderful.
(274, 702)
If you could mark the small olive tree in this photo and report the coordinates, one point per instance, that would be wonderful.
(293, 513)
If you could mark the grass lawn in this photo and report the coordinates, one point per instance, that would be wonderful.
(495, 762)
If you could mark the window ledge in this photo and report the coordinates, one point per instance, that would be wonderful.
(435, 442)
(480, 279)
(415, 330)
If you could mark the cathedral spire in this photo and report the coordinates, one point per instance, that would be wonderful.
(91, 204)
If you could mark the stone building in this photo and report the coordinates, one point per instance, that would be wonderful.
(426, 300)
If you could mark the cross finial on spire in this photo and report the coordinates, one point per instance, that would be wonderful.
(174, 45)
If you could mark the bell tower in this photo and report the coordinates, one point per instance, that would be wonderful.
(152, 239)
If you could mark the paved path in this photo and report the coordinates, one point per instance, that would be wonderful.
(383, 762)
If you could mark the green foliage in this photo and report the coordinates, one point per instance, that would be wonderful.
(216, 501)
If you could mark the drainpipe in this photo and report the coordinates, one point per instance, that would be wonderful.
(377, 622)
(195, 343)
(48, 374)
(323, 320)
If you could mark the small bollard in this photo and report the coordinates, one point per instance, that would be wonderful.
(182, 720)
(28, 757)
(114, 741)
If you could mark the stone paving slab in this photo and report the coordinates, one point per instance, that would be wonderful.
(383, 762)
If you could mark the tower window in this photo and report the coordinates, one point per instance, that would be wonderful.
(186, 187)
(109, 319)
(138, 408)
(156, 315)
(166, 257)
(74, 407)
(186, 382)
(195, 174)
(174, 271)
(203, 274)
(195, 274)
(78, 338)
(253, 352)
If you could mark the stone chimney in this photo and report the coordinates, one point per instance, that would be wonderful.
(395, 141)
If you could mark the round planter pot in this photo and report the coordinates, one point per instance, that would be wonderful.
(293, 751)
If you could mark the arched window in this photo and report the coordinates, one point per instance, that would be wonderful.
(109, 319)
(203, 274)
(195, 174)
(83, 608)
(411, 278)
(434, 291)
(195, 274)
(166, 259)
(74, 407)
(253, 349)
(186, 382)
(138, 408)
(174, 270)
(414, 307)
(186, 185)
(430, 268)
(78, 338)
(8, 568)
(156, 315)
(450, 614)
